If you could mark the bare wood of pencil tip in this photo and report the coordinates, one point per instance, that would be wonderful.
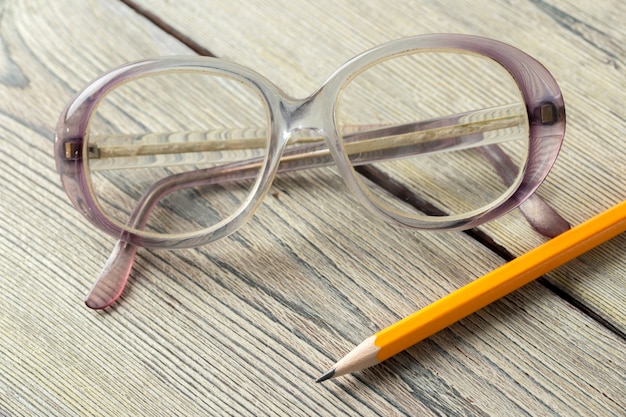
(481, 292)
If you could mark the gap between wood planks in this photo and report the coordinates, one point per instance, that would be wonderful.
(479, 236)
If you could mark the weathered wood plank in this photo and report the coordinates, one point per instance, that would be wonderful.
(245, 326)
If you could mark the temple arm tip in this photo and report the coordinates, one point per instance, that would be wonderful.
(112, 280)
(543, 218)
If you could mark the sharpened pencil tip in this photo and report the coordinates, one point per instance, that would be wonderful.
(327, 375)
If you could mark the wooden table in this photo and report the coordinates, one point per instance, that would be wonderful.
(244, 327)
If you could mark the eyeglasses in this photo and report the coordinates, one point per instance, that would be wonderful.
(431, 132)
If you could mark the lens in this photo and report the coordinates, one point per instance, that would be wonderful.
(438, 133)
(171, 142)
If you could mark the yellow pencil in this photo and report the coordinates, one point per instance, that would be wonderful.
(481, 292)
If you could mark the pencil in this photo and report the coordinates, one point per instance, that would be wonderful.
(481, 292)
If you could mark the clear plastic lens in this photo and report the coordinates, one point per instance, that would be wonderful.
(450, 129)
(169, 136)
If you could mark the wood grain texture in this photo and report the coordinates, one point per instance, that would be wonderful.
(243, 327)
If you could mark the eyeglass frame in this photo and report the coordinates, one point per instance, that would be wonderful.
(541, 94)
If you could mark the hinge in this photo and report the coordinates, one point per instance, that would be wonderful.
(73, 150)
(549, 114)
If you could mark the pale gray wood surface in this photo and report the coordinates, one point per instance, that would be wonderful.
(244, 326)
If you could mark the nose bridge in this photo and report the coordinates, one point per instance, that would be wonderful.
(307, 115)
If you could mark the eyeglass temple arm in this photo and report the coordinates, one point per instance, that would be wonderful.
(541, 216)
(437, 133)
(114, 275)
